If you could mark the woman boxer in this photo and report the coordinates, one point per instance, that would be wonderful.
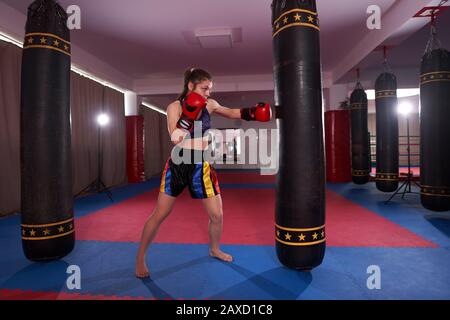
(192, 105)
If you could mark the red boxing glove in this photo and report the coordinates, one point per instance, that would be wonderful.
(192, 105)
(261, 112)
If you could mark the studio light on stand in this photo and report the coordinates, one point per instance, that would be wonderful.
(103, 120)
(97, 185)
(405, 109)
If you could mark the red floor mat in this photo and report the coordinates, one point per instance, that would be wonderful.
(244, 178)
(255, 178)
(17, 294)
(248, 219)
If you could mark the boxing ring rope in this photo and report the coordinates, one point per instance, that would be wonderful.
(403, 154)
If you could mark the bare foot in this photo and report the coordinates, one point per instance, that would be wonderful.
(219, 254)
(142, 270)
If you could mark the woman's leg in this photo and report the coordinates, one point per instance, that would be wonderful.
(162, 209)
(213, 206)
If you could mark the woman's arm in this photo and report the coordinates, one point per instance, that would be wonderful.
(177, 135)
(261, 112)
(173, 114)
(224, 111)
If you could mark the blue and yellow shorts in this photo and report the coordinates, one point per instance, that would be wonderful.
(200, 178)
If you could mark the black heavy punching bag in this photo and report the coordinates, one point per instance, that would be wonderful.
(300, 193)
(387, 132)
(360, 136)
(47, 205)
(435, 129)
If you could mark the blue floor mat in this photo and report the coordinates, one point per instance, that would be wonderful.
(186, 272)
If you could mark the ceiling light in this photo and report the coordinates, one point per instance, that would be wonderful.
(215, 38)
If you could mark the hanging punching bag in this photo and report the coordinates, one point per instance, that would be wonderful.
(387, 132)
(435, 130)
(46, 181)
(360, 136)
(135, 149)
(337, 146)
(300, 192)
(369, 151)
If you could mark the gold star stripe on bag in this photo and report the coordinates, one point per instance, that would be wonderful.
(295, 18)
(386, 94)
(360, 173)
(300, 236)
(47, 231)
(358, 106)
(437, 76)
(435, 191)
(47, 41)
(387, 176)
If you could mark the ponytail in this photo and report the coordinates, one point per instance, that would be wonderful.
(195, 76)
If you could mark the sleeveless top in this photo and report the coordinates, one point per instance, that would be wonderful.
(205, 119)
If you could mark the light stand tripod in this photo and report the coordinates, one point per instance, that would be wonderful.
(97, 185)
(406, 185)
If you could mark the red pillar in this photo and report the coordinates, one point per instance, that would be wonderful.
(338, 143)
(135, 149)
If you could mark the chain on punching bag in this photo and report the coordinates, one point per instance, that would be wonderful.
(46, 180)
(300, 192)
(387, 132)
(434, 127)
(360, 136)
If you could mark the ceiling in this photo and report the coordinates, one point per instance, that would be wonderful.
(154, 38)
(404, 55)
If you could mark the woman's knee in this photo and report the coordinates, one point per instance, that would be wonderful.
(216, 216)
(163, 208)
(161, 214)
